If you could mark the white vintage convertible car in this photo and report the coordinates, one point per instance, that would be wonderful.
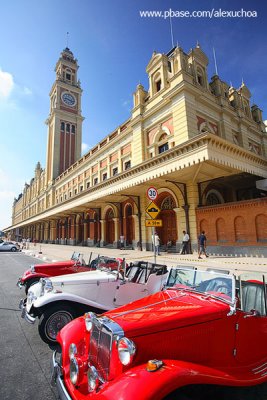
(58, 300)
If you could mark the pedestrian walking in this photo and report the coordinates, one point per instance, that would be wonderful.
(202, 243)
(185, 243)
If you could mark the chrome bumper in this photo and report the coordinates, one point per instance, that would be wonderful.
(57, 379)
(24, 314)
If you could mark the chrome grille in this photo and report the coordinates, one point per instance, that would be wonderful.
(103, 333)
(100, 349)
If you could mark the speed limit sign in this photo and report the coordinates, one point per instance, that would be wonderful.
(152, 193)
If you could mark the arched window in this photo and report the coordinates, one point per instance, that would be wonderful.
(200, 77)
(157, 82)
(62, 126)
(163, 136)
(68, 75)
(214, 197)
(168, 203)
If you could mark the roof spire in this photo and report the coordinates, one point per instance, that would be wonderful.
(67, 34)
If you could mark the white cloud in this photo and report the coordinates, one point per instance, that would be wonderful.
(27, 91)
(6, 84)
(85, 148)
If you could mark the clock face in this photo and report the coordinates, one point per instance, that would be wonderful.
(68, 99)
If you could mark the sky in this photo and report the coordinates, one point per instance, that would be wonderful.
(113, 45)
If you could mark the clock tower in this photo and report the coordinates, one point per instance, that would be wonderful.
(65, 119)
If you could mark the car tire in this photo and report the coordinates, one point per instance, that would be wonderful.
(13, 249)
(29, 283)
(53, 320)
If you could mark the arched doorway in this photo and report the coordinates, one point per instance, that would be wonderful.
(168, 231)
(129, 224)
(110, 227)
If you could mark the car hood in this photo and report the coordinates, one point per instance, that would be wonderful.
(96, 276)
(167, 310)
(58, 264)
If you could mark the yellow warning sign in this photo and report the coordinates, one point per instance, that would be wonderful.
(154, 222)
(152, 210)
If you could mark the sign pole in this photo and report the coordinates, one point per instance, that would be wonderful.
(153, 234)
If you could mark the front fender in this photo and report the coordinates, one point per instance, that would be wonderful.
(49, 298)
(138, 383)
(33, 276)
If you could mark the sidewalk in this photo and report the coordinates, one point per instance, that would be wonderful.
(53, 252)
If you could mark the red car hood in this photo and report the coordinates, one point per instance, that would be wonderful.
(167, 310)
(58, 264)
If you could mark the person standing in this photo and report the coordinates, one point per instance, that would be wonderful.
(122, 241)
(202, 244)
(185, 243)
(156, 241)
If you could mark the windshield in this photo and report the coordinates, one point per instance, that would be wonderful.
(106, 263)
(214, 284)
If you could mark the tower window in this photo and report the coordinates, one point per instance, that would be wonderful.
(62, 127)
(72, 128)
(200, 77)
(68, 128)
(68, 77)
(169, 66)
(87, 185)
(158, 85)
(105, 176)
(95, 181)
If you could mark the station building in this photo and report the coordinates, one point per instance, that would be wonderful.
(200, 143)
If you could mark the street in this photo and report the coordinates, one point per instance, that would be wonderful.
(25, 359)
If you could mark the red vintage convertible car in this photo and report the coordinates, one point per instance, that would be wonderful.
(74, 265)
(204, 328)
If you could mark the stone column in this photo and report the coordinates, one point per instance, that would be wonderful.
(117, 232)
(103, 231)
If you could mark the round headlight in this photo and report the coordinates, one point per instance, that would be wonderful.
(72, 350)
(89, 320)
(126, 350)
(74, 370)
(48, 287)
(93, 378)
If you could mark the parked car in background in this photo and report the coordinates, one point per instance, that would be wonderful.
(9, 246)
(56, 301)
(37, 271)
(74, 265)
(205, 328)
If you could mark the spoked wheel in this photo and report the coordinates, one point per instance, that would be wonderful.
(53, 320)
